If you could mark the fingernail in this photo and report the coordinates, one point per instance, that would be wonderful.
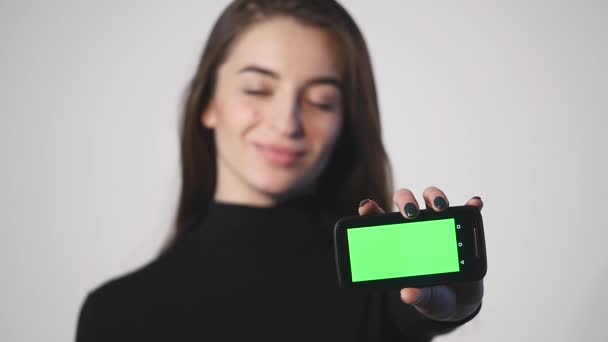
(440, 203)
(410, 210)
(362, 203)
(477, 197)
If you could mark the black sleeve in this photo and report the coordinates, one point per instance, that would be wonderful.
(413, 324)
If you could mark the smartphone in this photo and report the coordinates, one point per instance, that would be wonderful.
(390, 251)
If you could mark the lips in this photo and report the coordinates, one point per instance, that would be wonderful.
(278, 155)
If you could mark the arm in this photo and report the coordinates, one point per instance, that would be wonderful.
(433, 310)
(411, 322)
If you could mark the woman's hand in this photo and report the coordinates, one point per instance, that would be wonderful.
(443, 302)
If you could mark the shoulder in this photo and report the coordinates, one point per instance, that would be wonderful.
(107, 309)
(117, 304)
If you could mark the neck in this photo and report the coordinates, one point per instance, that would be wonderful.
(258, 199)
(231, 189)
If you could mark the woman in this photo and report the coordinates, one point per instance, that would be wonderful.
(281, 137)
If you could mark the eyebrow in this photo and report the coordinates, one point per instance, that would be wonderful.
(259, 70)
(270, 73)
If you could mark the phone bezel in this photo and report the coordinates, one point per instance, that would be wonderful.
(472, 252)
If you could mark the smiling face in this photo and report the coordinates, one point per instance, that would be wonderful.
(276, 112)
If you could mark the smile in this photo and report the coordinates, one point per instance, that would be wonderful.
(279, 156)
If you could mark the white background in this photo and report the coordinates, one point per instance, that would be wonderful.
(506, 100)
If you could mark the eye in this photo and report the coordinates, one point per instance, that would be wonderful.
(324, 98)
(328, 107)
(257, 92)
(325, 104)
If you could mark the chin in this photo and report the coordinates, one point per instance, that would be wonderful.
(276, 185)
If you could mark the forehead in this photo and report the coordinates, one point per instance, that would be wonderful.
(291, 49)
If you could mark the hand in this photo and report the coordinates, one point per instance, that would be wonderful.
(443, 302)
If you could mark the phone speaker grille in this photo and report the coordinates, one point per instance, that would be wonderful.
(475, 242)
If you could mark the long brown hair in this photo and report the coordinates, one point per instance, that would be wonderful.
(359, 167)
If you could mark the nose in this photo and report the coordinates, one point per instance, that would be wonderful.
(287, 117)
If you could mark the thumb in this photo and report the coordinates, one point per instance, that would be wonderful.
(369, 207)
(436, 302)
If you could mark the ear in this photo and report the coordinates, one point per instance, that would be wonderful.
(208, 117)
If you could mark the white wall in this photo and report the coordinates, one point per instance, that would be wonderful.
(506, 100)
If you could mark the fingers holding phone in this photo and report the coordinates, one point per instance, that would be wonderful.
(437, 298)
(404, 199)
(406, 202)
(369, 207)
(475, 202)
(435, 199)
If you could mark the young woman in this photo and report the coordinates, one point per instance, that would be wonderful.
(280, 138)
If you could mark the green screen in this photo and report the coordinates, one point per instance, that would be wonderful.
(403, 250)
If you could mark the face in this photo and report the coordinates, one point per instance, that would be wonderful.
(276, 111)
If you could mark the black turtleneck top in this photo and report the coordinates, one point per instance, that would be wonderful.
(249, 273)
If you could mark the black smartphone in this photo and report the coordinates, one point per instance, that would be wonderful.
(390, 251)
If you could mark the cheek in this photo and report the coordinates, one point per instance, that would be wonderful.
(234, 121)
(236, 118)
(325, 130)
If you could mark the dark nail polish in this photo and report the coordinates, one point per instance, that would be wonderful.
(477, 197)
(362, 203)
(440, 203)
(410, 210)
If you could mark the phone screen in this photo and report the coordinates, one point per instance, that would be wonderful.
(403, 250)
